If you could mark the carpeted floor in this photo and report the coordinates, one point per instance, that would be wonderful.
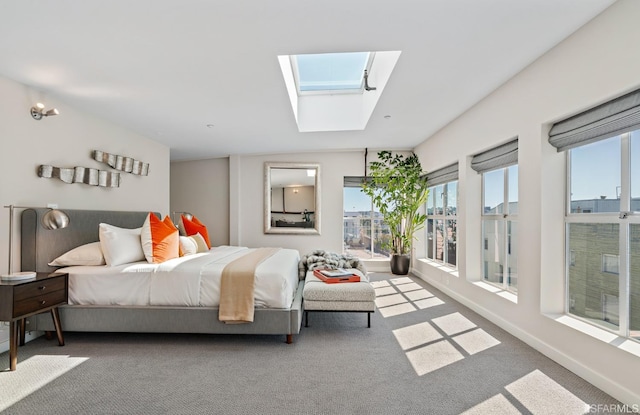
(424, 354)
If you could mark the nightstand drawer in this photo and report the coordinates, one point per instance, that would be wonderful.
(33, 304)
(37, 288)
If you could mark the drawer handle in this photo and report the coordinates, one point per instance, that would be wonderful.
(42, 287)
(43, 302)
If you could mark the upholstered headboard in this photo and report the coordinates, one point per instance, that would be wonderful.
(40, 246)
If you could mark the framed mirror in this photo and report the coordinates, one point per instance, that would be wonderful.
(292, 198)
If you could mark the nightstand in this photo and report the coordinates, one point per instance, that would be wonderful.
(21, 299)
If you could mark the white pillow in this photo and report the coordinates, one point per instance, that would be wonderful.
(200, 242)
(120, 245)
(188, 245)
(89, 254)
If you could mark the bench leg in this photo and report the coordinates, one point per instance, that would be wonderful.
(306, 319)
(289, 338)
(369, 320)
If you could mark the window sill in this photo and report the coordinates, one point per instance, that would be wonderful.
(441, 266)
(507, 295)
(605, 336)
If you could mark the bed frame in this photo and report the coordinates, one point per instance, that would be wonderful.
(40, 246)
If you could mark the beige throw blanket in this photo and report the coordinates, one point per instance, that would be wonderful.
(237, 284)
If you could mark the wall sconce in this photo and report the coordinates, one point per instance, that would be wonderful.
(295, 191)
(38, 111)
(53, 219)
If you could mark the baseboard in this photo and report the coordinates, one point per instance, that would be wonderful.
(607, 385)
(30, 335)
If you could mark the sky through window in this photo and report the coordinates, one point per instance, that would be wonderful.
(331, 71)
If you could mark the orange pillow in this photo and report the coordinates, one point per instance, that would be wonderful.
(160, 239)
(193, 226)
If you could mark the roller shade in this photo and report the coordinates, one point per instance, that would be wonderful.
(443, 175)
(604, 121)
(498, 157)
(355, 181)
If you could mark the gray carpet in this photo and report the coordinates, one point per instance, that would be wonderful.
(424, 354)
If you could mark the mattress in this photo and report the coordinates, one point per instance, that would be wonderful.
(189, 281)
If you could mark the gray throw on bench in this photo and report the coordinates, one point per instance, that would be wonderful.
(323, 259)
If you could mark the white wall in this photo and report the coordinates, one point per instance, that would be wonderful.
(248, 199)
(596, 64)
(228, 196)
(202, 189)
(67, 140)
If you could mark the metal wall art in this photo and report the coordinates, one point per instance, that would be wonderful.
(86, 175)
(125, 164)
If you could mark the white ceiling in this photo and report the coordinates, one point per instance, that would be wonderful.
(168, 68)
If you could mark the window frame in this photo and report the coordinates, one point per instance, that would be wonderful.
(605, 267)
(293, 59)
(502, 218)
(444, 217)
(372, 221)
(624, 219)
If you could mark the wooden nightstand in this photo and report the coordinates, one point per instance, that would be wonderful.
(21, 299)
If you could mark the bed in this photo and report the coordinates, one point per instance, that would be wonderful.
(159, 298)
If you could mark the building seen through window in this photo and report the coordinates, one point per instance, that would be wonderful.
(365, 234)
(603, 233)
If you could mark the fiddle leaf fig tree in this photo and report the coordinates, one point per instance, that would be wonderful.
(398, 190)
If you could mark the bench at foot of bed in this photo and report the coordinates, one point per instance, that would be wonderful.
(343, 297)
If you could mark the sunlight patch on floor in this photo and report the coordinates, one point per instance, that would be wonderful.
(558, 400)
(428, 303)
(402, 295)
(32, 374)
(435, 343)
(378, 284)
(475, 341)
(401, 280)
(418, 295)
(396, 310)
(416, 335)
(453, 323)
(385, 291)
(432, 357)
(408, 287)
(388, 300)
(498, 405)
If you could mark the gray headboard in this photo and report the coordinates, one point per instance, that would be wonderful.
(40, 246)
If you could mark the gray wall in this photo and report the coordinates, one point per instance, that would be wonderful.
(202, 189)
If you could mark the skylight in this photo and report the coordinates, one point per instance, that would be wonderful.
(328, 91)
(331, 71)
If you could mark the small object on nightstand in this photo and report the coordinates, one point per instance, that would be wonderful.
(18, 276)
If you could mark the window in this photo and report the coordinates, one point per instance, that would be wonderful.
(499, 210)
(602, 220)
(329, 91)
(611, 263)
(442, 215)
(365, 235)
(499, 226)
(331, 72)
(603, 233)
(442, 241)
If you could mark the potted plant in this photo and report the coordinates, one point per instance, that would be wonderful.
(398, 189)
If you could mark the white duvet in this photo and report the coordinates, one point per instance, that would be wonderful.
(192, 280)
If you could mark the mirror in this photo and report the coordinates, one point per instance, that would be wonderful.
(292, 198)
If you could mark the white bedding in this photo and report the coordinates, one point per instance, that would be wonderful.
(192, 280)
